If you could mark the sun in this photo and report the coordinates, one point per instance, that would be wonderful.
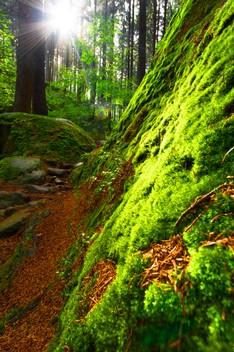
(62, 19)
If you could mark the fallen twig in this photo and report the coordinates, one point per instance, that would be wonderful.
(201, 200)
(230, 150)
(195, 220)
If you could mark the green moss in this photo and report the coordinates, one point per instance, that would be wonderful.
(51, 139)
(177, 130)
(6, 171)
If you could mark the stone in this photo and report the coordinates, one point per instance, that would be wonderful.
(8, 199)
(14, 222)
(58, 181)
(56, 172)
(20, 170)
(36, 203)
(39, 189)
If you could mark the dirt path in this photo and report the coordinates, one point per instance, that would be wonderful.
(31, 290)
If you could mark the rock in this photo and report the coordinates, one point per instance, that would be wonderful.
(39, 189)
(67, 187)
(52, 140)
(14, 222)
(58, 181)
(21, 170)
(8, 199)
(36, 203)
(47, 185)
(56, 172)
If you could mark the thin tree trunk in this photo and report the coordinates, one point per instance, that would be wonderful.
(165, 16)
(132, 40)
(23, 95)
(93, 83)
(154, 25)
(39, 105)
(142, 41)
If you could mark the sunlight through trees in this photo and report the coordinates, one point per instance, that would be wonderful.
(92, 53)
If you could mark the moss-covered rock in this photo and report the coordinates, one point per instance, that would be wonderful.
(51, 139)
(177, 132)
(22, 170)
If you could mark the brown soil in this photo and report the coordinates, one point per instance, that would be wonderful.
(31, 290)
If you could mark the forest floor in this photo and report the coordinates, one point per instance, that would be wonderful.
(34, 297)
(31, 304)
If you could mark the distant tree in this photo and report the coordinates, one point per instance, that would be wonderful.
(142, 41)
(30, 53)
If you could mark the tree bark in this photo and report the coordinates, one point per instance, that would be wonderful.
(165, 16)
(30, 81)
(155, 19)
(142, 41)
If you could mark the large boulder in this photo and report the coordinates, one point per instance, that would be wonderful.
(50, 139)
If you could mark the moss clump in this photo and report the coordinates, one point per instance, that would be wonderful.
(6, 171)
(50, 139)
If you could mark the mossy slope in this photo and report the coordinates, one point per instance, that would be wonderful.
(51, 139)
(178, 134)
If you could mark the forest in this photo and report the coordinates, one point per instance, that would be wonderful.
(95, 54)
(116, 176)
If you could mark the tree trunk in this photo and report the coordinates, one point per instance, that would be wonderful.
(142, 41)
(155, 19)
(165, 16)
(132, 40)
(30, 80)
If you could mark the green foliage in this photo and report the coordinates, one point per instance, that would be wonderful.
(62, 96)
(211, 271)
(162, 304)
(68, 96)
(210, 299)
(96, 163)
(66, 263)
(7, 64)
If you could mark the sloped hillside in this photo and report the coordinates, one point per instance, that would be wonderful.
(158, 271)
